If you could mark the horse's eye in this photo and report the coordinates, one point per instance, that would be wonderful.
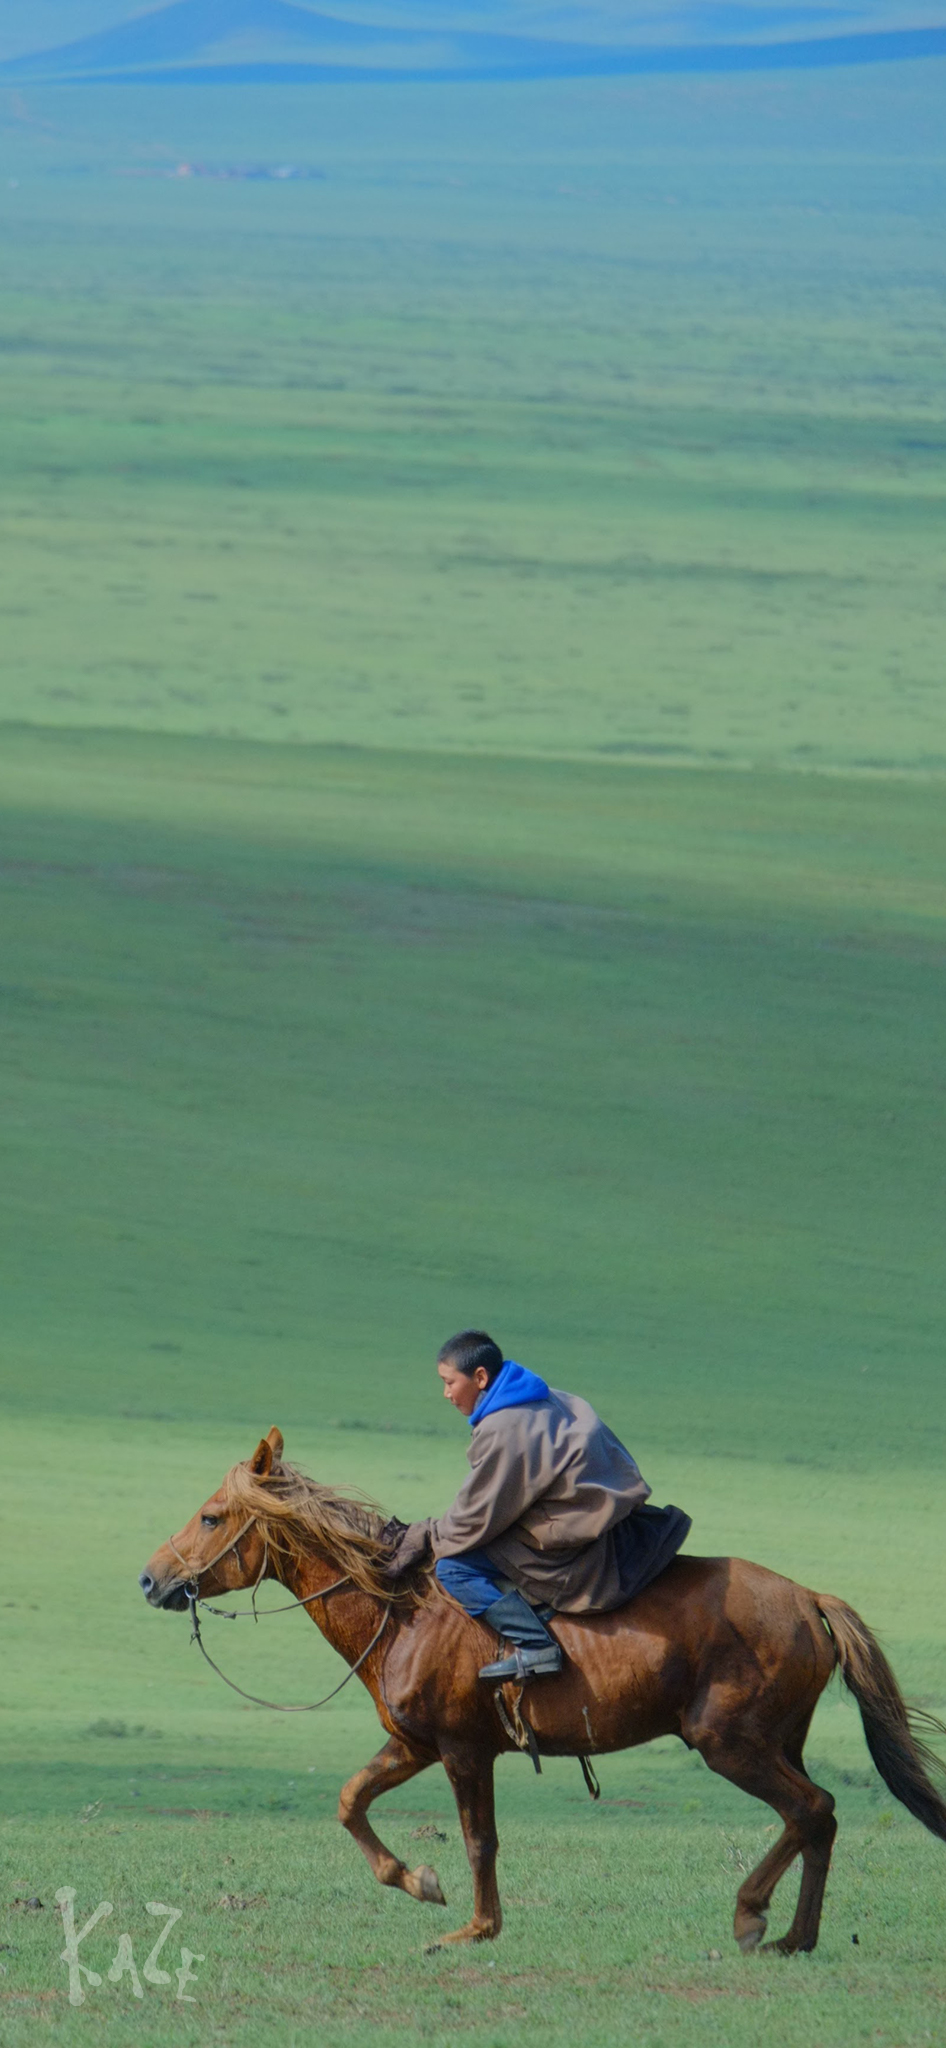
(210, 1521)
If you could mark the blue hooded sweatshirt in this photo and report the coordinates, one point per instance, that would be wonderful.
(514, 1387)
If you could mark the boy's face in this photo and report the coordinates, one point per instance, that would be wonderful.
(461, 1388)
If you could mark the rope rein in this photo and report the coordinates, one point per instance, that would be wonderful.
(192, 1595)
(276, 1705)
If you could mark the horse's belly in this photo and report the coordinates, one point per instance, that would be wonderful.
(613, 1692)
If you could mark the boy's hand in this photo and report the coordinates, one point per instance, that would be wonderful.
(411, 1548)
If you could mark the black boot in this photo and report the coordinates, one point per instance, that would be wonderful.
(535, 1654)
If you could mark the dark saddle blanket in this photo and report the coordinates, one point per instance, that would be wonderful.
(645, 1543)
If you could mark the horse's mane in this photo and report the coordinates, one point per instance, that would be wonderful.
(297, 1514)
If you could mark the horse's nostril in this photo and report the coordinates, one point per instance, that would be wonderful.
(146, 1582)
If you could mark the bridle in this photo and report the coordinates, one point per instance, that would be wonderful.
(196, 1572)
(191, 1589)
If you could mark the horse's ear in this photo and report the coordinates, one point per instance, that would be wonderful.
(261, 1463)
(275, 1437)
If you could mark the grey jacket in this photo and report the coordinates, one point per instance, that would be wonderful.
(548, 1485)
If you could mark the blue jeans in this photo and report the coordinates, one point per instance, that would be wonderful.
(472, 1579)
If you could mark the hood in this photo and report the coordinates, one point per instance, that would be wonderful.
(514, 1387)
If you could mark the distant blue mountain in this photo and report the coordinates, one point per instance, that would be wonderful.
(708, 18)
(171, 35)
(276, 42)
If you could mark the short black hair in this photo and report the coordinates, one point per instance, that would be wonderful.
(469, 1349)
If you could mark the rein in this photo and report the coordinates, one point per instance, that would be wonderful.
(194, 1600)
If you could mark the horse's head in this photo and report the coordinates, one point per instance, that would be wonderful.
(220, 1549)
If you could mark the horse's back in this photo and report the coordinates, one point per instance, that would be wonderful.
(696, 1595)
(634, 1673)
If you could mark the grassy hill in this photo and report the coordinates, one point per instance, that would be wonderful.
(630, 1091)
(432, 453)
(430, 587)
(312, 1055)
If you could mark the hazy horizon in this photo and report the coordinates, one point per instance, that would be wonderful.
(284, 41)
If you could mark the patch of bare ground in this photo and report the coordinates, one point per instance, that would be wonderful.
(32, 1998)
(606, 1980)
(188, 1812)
(700, 1994)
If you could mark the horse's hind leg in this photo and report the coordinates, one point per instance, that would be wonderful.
(471, 1776)
(810, 1827)
(754, 1896)
(393, 1765)
(816, 1851)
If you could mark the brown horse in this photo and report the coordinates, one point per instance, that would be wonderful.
(726, 1655)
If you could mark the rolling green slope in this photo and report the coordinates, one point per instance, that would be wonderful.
(654, 467)
(312, 1054)
(424, 586)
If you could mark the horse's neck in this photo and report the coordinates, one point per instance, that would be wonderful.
(348, 1618)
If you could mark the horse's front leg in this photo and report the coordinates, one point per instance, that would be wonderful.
(471, 1777)
(393, 1765)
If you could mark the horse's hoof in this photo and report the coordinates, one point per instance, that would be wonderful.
(780, 1948)
(751, 1936)
(464, 1935)
(425, 1885)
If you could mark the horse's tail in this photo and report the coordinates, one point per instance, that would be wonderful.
(903, 1759)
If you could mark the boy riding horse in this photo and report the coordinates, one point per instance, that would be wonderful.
(552, 1517)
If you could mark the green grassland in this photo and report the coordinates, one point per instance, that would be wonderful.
(435, 453)
(422, 592)
(314, 1053)
(333, 1044)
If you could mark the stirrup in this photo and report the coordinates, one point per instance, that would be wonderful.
(525, 1664)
